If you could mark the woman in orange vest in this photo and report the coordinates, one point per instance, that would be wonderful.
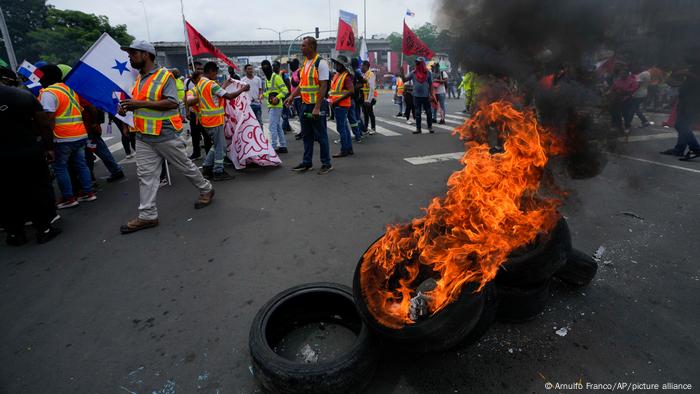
(341, 90)
(398, 98)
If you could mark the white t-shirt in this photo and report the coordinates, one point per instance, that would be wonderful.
(256, 87)
(324, 72)
(49, 101)
(440, 89)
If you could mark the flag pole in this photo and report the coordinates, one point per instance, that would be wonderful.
(8, 42)
(401, 63)
(188, 52)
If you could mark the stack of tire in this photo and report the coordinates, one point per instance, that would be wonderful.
(523, 281)
(518, 294)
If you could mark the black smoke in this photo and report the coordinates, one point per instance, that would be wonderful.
(522, 41)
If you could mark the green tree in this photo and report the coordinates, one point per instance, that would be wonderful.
(68, 34)
(23, 16)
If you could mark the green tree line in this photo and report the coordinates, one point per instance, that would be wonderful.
(41, 32)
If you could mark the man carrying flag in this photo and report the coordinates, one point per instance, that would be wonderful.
(157, 122)
(209, 96)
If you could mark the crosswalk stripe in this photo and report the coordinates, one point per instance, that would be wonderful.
(461, 118)
(434, 158)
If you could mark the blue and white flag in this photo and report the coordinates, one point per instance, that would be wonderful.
(364, 53)
(32, 74)
(103, 76)
(410, 13)
(30, 71)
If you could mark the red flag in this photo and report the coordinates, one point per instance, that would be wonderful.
(346, 37)
(412, 45)
(201, 46)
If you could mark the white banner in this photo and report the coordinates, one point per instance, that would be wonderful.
(245, 141)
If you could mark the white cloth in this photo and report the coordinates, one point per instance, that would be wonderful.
(256, 87)
(245, 141)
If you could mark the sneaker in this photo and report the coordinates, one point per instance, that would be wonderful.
(340, 154)
(372, 132)
(430, 130)
(417, 132)
(283, 150)
(163, 182)
(115, 177)
(137, 224)
(442, 121)
(67, 203)
(204, 200)
(55, 218)
(130, 156)
(409, 122)
(399, 115)
(222, 176)
(88, 197)
(47, 235)
(303, 167)
(208, 172)
(298, 136)
(325, 169)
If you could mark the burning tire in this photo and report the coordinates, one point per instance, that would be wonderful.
(447, 328)
(538, 262)
(579, 270)
(521, 304)
(338, 355)
(487, 318)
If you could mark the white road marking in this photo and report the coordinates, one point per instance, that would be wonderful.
(460, 118)
(434, 158)
(657, 163)
(651, 137)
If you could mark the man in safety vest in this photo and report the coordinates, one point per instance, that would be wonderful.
(275, 93)
(209, 96)
(340, 99)
(369, 93)
(157, 123)
(399, 95)
(64, 109)
(196, 130)
(313, 86)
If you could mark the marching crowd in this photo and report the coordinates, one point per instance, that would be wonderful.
(57, 135)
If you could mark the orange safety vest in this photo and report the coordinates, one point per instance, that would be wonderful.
(337, 89)
(399, 87)
(150, 121)
(309, 81)
(211, 108)
(69, 117)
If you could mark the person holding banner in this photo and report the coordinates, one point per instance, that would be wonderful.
(210, 98)
(275, 93)
(312, 88)
(157, 123)
(422, 93)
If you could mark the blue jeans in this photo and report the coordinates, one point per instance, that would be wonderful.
(257, 109)
(423, 103)
(341, 120)
(73, 152)
(355, 122)
(441, 102)
(285, 118)
(686, 138)
(276, 131)
(106, 156)
(215, 156)
(357, 108)
(314, 129)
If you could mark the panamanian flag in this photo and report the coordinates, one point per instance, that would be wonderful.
(410, 13)
(32, 75)
(103, 76)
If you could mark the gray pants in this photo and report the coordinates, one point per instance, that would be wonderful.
(149, 160)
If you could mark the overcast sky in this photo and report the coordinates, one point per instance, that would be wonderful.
(238, 20)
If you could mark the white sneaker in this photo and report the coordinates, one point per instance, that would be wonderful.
(130, 156)
(409, 122)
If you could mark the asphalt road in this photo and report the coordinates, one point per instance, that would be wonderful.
(168, 309)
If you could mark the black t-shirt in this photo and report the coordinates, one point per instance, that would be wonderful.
(17, 110)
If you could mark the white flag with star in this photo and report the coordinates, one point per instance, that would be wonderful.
(103, 75)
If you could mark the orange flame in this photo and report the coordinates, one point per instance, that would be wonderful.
(490, 209)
